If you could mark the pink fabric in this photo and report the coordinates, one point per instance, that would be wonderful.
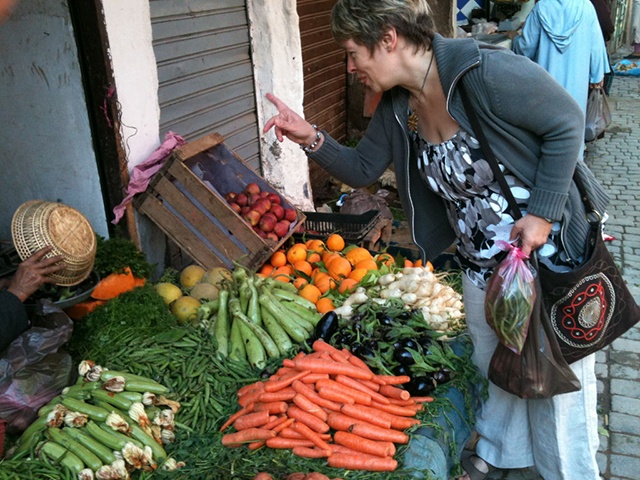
(142, 173)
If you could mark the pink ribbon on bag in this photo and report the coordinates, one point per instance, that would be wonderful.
(141, 174)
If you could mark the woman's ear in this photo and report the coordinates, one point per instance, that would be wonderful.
(389, 39)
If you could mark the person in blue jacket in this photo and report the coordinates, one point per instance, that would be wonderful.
(31, 274)
(564, 37)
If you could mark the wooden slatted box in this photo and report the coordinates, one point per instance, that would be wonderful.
(185, 199)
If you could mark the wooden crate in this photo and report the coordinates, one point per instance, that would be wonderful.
(186, 200)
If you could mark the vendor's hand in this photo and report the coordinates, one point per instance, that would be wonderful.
(512, 34)
(532, 231)
(33, 273)
(598, 85)
(289, 124)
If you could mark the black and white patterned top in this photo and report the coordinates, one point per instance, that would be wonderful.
(457, 171)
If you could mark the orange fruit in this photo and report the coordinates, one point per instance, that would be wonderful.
(367, 264)
(358, 254)
(278, 259)
(310, 292)
(324, 305)
(296, 253)
(408, 263)
(385, 259)
(347, 285)
(303, 266)
(328, 256)
(339, 268)
(358, 274)
(266, 270)
(335, 242)
(283, 273)
(314, 257)
(324, 282)
(300, 282)
(315, 244)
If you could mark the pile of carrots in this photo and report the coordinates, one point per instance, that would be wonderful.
(327, 404)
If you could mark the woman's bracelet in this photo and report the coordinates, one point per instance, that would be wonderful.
(310, 148)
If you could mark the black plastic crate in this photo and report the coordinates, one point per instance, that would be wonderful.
(352, 228)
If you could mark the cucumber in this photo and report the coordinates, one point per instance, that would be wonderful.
(89, 458)
(94, 412)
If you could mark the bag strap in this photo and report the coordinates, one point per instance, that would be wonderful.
(499, 176)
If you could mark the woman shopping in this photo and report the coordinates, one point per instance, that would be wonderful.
(449, 194)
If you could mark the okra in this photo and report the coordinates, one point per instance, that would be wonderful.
(89, 458)
(102, 451)
(59, 454)
(94, 412)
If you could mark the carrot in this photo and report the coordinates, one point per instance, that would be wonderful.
(399, 401)
(402, 423)
(259, 385)
(114, 285)
(365, 445)
(308, 419)
(312, 395)
(251, 397)
(309, 452)
(359, 385)
(287, 362)
(283, 425)
(283, 395)
(309, 434)
(395, 409)
(82, 309)
(283, 371)
(426, 399)
(139, 282)
(273, 423)
(289, 432)
(314, 377)
(246, 436)
(358, 395)
(282, 442)
(322, 346)
(362, 412)
(319, 365)
(378, 433)
(370, 384)
(271, 407)
(338, 357)
(362, 462)
(256, 445)
(340, 421)
(252, 420)
(235, 416)
(308, 406)
(284, 382)
(263, 476)
(394, 392)
(335, 448)
(358, 362)
(335, 395)
(394, 379)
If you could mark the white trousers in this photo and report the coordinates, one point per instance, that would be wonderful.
(559, 436)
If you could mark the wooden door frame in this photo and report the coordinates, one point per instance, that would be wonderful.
(88, 21)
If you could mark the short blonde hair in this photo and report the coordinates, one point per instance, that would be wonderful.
(366, 21)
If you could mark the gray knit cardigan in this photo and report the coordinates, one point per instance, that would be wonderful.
(532, 124)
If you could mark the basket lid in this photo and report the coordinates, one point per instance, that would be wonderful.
(37, 224)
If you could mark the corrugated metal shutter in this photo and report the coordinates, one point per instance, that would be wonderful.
(205, 72)
(325, 77)
(325, 73)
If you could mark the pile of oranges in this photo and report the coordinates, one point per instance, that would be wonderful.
(317, 267)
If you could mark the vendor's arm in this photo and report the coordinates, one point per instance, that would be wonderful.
(13, 318)
(526, 43)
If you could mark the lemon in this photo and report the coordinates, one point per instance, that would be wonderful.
(168, 291)
(204, 291)
(185, 308)
(191, 275)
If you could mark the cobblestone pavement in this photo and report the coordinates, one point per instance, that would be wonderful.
(615, 161)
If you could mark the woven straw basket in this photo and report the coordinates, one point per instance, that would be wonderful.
(37, 224)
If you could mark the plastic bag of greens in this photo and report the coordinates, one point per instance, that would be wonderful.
(510, 298)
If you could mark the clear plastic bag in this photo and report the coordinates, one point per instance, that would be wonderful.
(33, 370)
(598, 114)
(510, 298)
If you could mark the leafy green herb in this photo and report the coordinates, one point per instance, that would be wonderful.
(113, 255)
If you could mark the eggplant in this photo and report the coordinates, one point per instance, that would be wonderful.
(327, 326)
(403, 357)
(420, 386)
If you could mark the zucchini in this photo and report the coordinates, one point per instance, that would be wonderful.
(139, 434)
(30, 436)
(125, 438)
(104, 436)
(89, 458)
(112, 399)
(95, 413)
(146, 385)
(101, 450)
(58, 454)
